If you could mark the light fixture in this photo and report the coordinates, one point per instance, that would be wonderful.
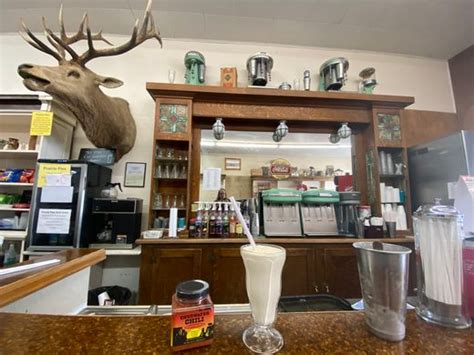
(344, 131)
(218, 129)
(334, 138)
(276, 137)
(282, 129)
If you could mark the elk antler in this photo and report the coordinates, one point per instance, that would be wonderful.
(139, 36)
(62, 43)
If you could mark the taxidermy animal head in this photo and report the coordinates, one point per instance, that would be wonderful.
(107, 121)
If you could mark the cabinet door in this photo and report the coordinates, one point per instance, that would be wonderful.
(162, 269)
(227, 276)
(341, 277)
(298, 272)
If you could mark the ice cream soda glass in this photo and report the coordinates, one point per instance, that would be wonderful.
(263, 268)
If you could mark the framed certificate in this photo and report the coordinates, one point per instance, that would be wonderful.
(135, 174)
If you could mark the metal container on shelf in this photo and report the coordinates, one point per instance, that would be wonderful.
(281, 212)
(438, 244)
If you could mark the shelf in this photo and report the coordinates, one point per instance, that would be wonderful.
(392, 176)
(170, 179)
(18, 154)
(167, 209)
(18, 184)
(13, 234)
(167, 160)
(294, 178)
(2, 208)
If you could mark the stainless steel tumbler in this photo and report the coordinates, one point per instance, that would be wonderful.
(383, 272)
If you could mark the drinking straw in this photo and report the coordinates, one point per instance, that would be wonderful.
(242, 221)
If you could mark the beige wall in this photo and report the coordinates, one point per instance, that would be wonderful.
(426, 79)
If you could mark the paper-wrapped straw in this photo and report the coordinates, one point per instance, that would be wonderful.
(242, 221)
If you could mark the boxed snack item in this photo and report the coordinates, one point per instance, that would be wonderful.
(229, 77)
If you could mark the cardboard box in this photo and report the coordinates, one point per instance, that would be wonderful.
(229, 77)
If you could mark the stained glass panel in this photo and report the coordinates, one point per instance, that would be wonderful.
(389, 127)
(173, 118)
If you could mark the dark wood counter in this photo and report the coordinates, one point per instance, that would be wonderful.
(313, 265)
(19, 285)
(285, 240)
(304, 333)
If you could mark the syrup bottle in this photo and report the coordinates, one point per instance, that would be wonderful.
(212, 222)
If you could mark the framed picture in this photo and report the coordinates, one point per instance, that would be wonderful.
(232, 164)
(135, 174)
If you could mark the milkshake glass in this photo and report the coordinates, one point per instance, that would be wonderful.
(263, 267)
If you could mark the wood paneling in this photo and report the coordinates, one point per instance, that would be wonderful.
(162, 269)
(425, 126)
(294, 113)
(461, 68)
(310, 267)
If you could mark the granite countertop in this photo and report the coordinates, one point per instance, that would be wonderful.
(304, 333)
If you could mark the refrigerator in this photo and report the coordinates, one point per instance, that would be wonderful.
(62, 203)
(435, 167)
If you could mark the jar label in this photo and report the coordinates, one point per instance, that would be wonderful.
(192, 327)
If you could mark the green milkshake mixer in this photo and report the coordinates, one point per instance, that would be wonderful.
(195, 68)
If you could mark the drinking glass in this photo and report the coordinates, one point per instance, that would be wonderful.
(159, 172)
(175, 201)
(171, 75)
(174, 171)
(182, 201)
(263, 267)
(166, 172)
(158, 202)
(168, 202)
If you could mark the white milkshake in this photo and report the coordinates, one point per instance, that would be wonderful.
(263, 267)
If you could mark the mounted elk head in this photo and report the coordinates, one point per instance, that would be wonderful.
(107, 121)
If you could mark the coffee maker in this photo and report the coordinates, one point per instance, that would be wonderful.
(281, 213)
(318, 213)
(116, 223)
(346, 212)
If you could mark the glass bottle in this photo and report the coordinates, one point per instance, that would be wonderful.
(219, 222)
(182, 201)
(175, 201)
(212, 222)
(205, 222)
(225, 222)
(198, 223)
(168, 202)
(158, 172)
(166, 172)
(232, 222)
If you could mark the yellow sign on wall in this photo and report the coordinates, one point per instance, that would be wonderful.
(46, 169)
(41, 123)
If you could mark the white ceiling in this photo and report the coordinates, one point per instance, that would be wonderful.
(294, 144)
(430, 28)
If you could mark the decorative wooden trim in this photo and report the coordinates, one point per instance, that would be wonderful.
(282, 111)
(32, 281)
(265, 96)
(387, 143)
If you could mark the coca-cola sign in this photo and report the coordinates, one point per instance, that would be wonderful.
(280, 168)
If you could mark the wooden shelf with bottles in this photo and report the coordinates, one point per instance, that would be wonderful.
(171, 163)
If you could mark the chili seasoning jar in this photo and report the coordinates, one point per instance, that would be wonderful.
(192, 316)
